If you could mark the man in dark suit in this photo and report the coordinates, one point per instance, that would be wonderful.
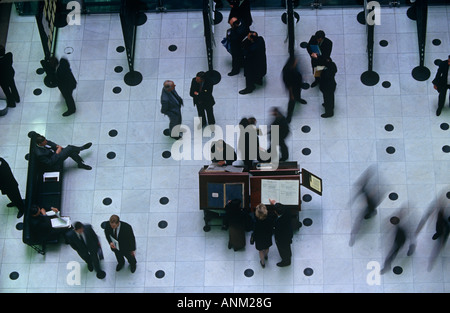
(222, 153)
(293, 80)
(442, 83)
(84, 241)
(66, 84)
(255, 61)
(7, 82)
(236, 34)
(52, 155)
(283, 132)
(171, 104)
(10, 187)
(121, 239)
(328, 87)
(41, 228)
(283, 233)
(241, 10)
(201, 93)
(324, 45)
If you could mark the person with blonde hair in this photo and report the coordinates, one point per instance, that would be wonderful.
(262, 233)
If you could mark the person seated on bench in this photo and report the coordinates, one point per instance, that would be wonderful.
(41, 226)
(53, 155)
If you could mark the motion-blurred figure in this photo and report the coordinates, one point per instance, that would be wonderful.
(401, 234)
(292, 79)
(368, 192)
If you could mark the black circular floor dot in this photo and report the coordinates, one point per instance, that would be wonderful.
(13, 275)
(308, 271)
(103, 224)
(306, 129)
(303, 44)
(393, 196)
(162, 224)
(166, 132)
(448, 195)
(111, 155)
(40, 71)
(112, 133)
(306, 151)
(397, 270)
(394, 220)
(249, 272)
(307, 222)
(37, 91)
(390, 150)
(160, 274)
(118, 69)
(68, 50)
(389, 127)
(107, 201)
(19, 226)
(173, 48)
(164, 200)
(117, 90)
(437, 62)
(27, 156)
(383, 43)
(120, 49)
(386, 84)
(305, 86)
(307, 198)
(446, 149)
(444, 126)
(166, 154)
(436, 42)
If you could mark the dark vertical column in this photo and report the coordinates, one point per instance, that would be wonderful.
(421, 72)
(369, 77)
(291, 27)
(213, 75)
(130, 19)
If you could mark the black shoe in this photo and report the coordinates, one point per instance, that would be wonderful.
(325, 115)
(101, 275)
(435, 236)
(11, 105)
(133, 268)
(84, 166)
(10, 205)
(19, 214)
(67, 113)
(314, 84)
(283, 264)
(86, 146)
(119, 267)
(303, 101)
(90, 267)
(263, 265)
(438, 112)
(246, 91)
(232, 73)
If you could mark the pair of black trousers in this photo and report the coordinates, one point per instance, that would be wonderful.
(328, 101)
(206, 113)
(10, 90)
(120, 256)
(284, 249)
(442, 96)
(68, 97)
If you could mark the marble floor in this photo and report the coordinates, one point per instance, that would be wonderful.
(174, 254)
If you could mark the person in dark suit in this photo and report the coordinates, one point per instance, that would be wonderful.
(201, 93)
(85, 242)
(255, 61)
(293, 80)
(53, 156)
(222, 153)
(121, 239)
(7, 82)
(241, 10)
(283, 132)
(10, 187)
(262, 232)
(236, 34)
(171, 104)
(441, 83)
(328, 87)
(41, 228)
(283, 233)
(235, 219)
(66, 84)
(325, 46)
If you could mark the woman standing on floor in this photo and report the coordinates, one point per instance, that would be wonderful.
(262, 234)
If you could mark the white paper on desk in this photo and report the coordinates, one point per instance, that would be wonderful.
(283, 191)
(115, 242)
(60, 222)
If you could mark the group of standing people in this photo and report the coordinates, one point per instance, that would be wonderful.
(265, 226)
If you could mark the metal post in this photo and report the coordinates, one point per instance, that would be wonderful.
(369, 77)
(421, 72)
